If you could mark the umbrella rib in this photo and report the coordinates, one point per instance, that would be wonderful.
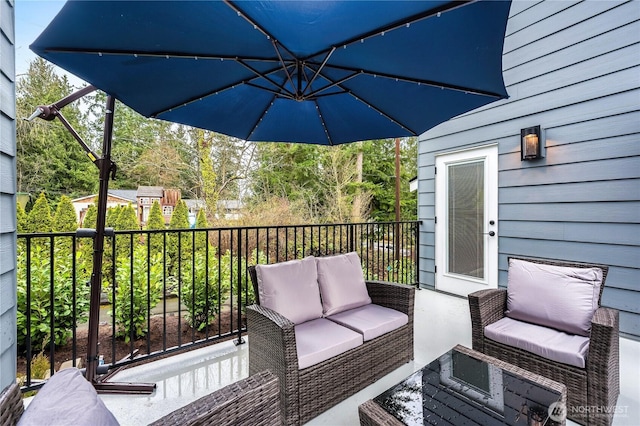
(166, 55)
(285, 94)
(324, 125)
(284, 66)
(433, 83)
(255, 126)
(413, 132)
(275, 92)
(401, 23)
(333, 84)
(317, 72)
(255, 24)
(265, 76)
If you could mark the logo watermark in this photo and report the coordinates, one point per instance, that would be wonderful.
(558, 411)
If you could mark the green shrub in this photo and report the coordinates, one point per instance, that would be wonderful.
(136, 293)
(40, 366)
(205, 286)
(40, 302)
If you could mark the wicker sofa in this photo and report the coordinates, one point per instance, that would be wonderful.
(592, 391)
(251, 401)
(307, 392)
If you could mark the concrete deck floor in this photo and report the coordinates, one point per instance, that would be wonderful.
(441, 322)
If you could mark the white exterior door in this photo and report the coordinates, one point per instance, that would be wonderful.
(466, 249)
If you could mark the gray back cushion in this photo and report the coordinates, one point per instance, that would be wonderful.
(291, 289)
(341, 282)
(564, 298)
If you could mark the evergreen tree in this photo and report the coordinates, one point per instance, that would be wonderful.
(21, 219)
(39, 218)
(49, 159)
(64, 219)
(127, 219)
(155, 221)
(111, 220)
(179, 244)
(201, 223)
(180, 216)
(201, 220)
(91, 217)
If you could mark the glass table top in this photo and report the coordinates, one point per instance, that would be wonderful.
(459, 389)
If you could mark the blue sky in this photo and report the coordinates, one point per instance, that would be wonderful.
(31, 18)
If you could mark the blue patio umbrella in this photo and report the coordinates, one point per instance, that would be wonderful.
(324, 72)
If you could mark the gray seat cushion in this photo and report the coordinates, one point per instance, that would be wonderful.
(552, 344)
(67, 399)
(371, 320)
(320, 339)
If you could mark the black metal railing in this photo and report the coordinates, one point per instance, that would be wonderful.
(172, 290)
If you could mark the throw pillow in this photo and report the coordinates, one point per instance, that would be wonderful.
(67, 399)
(564, 298)
(342, 285)
(291, 289)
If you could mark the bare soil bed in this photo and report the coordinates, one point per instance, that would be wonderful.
(178, 333)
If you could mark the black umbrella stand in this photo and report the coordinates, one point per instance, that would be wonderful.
(107, 169)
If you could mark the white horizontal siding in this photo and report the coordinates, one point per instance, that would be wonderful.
(574, 69)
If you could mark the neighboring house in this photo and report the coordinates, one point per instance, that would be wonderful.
(231, 209)
(573, 68)
(413, 184)
(116, 197)
(194, 206)
(8, 351)
(228, 209)
(145, 197)
(167, 198)
(141, 199)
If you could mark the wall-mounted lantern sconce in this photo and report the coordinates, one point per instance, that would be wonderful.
(531, 143)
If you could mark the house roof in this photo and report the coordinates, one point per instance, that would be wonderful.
(230, 204)
(150, 191)
(194, 203)
(128, 195)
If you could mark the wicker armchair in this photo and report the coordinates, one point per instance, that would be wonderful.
(251, 401)
(596, 385)
(306, 393)
(11, 406)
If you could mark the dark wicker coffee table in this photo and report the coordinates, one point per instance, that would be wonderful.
(465, 387)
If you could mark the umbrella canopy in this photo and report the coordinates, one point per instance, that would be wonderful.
(325, 72)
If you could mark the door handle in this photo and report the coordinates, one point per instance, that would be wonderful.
(490, 233)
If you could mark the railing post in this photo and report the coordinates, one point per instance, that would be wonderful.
(240, 340)
(352, 238)
(416, 252)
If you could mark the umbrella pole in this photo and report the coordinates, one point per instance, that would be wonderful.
(107, 169)
(105, 166)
